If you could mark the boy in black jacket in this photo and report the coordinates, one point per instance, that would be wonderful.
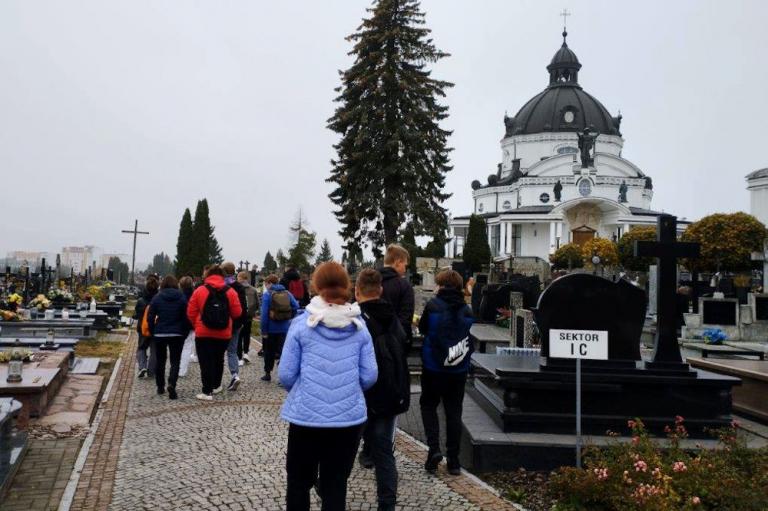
(396, 288)
(390, 396)
(446, 355)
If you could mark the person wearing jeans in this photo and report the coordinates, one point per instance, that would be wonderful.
(169, 326)
(325, 407)
(233, 361)
(211, 342)
(273, 330)
(145, 343)
(391, 394)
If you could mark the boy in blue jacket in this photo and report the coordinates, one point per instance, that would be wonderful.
(446, 355)
(278, 307)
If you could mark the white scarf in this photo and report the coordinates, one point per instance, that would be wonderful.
(333, 315)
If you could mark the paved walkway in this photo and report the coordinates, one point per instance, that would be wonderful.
(230, 454)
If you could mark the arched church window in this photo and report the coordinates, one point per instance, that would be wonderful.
(480, 207)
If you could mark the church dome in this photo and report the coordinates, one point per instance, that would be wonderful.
(563, 105)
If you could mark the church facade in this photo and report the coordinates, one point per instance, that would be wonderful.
(562, 177)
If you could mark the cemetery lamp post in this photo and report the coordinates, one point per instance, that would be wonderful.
(595, 261)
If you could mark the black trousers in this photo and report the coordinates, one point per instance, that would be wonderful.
(244, 342)
(331, 451)
(379, 445)
(273, 347)
(448, 388)
(162, 346)
(210, 354)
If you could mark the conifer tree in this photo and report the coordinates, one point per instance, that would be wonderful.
(206, 248)
(325, 254)
(270, 264)
(393, 156)
(477, 252)
(184, 246)
(281, 259)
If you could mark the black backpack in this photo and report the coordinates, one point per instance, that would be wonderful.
(391, 395)
(215, 313)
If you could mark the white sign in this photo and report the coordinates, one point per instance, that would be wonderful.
(587, 344)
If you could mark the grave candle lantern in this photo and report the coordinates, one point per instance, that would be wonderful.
(15, 366)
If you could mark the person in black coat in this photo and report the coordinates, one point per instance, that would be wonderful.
(169, 325)
(397, 290)
(146, 364)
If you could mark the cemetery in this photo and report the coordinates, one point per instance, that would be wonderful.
(574, 320)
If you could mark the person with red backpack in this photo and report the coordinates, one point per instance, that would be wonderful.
(278, 307)
(296, 285)
(212, 309)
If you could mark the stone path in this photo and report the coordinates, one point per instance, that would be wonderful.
(229, 455)
(43, 475)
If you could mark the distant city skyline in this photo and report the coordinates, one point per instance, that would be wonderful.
(180, 101)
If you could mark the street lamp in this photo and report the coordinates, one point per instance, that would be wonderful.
(595, 262)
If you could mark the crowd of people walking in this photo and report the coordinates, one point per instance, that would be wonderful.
(342, 349)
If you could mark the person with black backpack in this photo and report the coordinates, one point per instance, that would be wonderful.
(212, 310)
(391, 395)
(446, 355)
(278, 307)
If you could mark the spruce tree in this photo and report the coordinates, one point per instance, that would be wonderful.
(281, 259)
(408, 241)
(184, 246)
(325, 254)
(477, 252)
(393, 156)
(270, 264)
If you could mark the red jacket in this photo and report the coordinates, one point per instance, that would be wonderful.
(197, 302)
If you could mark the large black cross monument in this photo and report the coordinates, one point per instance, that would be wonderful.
(666, 249)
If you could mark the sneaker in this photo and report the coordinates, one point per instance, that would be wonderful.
(246, 358)
(160, 390)
(454, 467)
(433, 460)
(365, 460)
(204, 397)
(266, 377)
(240, 363)
(142, 373)
(218, 390)
(172, 393)
(234, 383)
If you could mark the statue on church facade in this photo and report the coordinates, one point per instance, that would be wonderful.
(623, 191)
(587, 140)
(558, 190)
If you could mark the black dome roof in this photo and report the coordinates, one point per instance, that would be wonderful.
(563, 105)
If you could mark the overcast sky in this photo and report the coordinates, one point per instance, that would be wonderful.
(116, 110)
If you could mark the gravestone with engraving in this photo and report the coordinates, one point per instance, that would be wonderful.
(652, 290)
(525, 396)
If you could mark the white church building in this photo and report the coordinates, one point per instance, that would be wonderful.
(562, 178)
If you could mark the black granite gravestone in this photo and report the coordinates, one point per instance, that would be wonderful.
(581, 301)
(761, 308)
(719, 312)
(497, 296)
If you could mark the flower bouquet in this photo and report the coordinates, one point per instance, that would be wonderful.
(14, 302)
(60, 296)
(714, 336)
(6, 315)
(40, 302)
(20, 354)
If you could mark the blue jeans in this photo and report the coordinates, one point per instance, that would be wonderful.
(232, 360)
(379, 445)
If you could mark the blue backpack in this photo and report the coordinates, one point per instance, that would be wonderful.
(449, 347)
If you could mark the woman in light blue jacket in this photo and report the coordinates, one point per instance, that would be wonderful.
(327, 363)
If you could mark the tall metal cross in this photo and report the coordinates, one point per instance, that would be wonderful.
(135, 232)
(666, 249)
(565, 14)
